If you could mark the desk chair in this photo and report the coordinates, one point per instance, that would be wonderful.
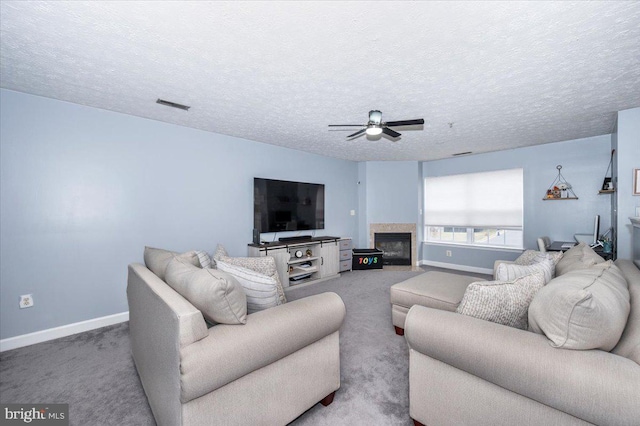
(543, 243)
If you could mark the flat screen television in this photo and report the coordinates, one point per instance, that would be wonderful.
(281, 205)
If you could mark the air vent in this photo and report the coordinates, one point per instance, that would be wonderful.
(461, 153)
(172, 104)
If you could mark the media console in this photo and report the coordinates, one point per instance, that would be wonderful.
(311, 259)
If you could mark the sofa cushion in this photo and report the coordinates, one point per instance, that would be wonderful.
(580, 256)
(503, 302)
(582, 309)
(511, 271)
(217, 295)
(261, 290)
(157, 259)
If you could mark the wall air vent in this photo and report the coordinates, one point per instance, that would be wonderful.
(172, 104)
(461, 153)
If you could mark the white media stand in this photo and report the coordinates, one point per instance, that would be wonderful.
(303, 262)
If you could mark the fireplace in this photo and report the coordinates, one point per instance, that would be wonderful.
(397, 228)
(396, 247)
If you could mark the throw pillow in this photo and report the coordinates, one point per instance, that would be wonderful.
(580, 256)
(204, 259)
(261, 289)
(583, 309)
(157, 259)
(511, 271)
(220, 252)
(529, 256)
(503, 302)
(264, 265)
(217, 295)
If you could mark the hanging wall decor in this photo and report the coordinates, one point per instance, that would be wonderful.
(607, 184)
(560, 189)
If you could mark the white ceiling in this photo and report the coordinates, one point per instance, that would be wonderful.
(506, 74)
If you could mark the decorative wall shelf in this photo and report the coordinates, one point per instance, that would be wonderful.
(560, 189)
(607, 183)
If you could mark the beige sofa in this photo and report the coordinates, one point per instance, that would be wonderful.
(468, 371)
(268, 371)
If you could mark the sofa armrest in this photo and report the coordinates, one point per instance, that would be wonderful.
(232, 351)
(596, 386)
(160, 323)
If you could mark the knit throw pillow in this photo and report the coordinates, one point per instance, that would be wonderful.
(503, 302)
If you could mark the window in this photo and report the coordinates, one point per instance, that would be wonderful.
(477, 209)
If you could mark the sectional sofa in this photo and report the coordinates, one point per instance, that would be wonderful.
(576, 364)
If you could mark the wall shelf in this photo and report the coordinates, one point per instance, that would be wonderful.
(606, 191)
(559, 189)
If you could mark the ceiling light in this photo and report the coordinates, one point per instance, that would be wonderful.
(374, 130)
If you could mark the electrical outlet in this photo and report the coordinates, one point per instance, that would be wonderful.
(26, 301)
(448, 253)
(352, 212)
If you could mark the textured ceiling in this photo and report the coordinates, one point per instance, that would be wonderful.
(506, 74)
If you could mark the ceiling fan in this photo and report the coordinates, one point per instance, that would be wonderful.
(376, 126)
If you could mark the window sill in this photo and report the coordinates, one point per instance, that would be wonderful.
(473, 246)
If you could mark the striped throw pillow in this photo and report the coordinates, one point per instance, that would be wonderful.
(511, 271)
(261, 290)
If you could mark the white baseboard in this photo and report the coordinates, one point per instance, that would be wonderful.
(465, 268)
(62, 331)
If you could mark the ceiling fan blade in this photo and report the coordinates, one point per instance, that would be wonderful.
(405, 122)
(358, 133)
(390, 132)
(347, 125)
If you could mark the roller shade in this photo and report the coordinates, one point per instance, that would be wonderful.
(480, 200)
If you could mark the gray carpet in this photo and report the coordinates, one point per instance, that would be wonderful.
(94, 373)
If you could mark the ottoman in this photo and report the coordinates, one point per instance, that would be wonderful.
(433, 289)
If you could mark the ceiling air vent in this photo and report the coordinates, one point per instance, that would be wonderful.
(172, 104)
(462, 153)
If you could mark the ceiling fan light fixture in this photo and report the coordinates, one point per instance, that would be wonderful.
(374, 130)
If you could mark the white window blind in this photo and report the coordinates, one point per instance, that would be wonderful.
(487, 199)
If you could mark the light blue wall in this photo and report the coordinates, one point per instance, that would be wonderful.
(84, 190)
(391, 191)
(628, 159)
(584, 163)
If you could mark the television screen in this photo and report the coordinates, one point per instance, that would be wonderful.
(281, 205)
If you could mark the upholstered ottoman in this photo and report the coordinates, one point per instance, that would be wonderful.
(433, 289)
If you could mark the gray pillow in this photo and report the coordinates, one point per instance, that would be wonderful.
(157, 259)
(580, 256)
(217, 295)
(583, 309)
(503, 302)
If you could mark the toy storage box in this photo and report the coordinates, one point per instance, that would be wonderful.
(367, 259)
